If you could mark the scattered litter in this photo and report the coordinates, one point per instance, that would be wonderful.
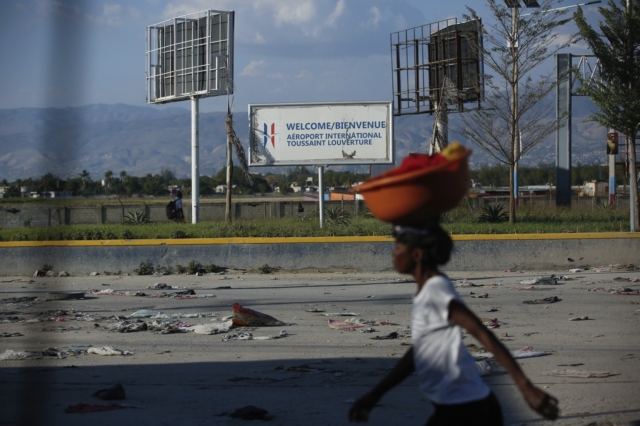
(584, 318)
(490, 323)
(349, 324)
(314, 310)
(11, 334)
(370, 297)
(237, 336)
(13, 355)
(516, 354)
(112, 393)
(25, 299)
(170, 327)
(108, 351)
(87, 408)
(552, 299)
(283, 333)
(390, 336)
(161, 286)
(249, 318)
(368, 330)
(111, 292)
(146, 313)
(580, 374)
(213, 328)
(575, 270)
(223, 287)
(128, 326)
(341, 314)
(251, 412)
(465, 283)
(541, 281)
(484, 368)
(17, 355)
(94, 274)
(64, 296)
(479, 296)
(626, 292)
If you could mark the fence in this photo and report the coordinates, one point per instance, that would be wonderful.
(13, 216)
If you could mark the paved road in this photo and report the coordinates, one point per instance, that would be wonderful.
(308, 377)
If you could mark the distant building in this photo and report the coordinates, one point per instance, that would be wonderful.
(222, 189)
(295, 187)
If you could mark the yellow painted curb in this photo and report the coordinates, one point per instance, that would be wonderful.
(300, 240)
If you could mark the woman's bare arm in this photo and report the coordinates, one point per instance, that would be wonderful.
(359, 412)
(538, 400)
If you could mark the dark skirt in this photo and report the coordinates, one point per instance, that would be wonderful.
(484, 412)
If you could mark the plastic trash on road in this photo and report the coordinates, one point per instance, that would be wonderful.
(246, 317)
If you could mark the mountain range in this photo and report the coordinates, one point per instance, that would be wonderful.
(142, 140)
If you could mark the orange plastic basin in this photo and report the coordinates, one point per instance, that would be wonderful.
(413, 197)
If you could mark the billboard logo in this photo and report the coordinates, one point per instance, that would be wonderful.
(270, 135)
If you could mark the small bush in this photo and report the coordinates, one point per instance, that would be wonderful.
(136, 218)
(164, 270)
(194, 267)
(144, 269)
(46, 267)
(266, 269)
(213, 268)
(337, 216)
(126, 234)
(181, 269)
(494, 214)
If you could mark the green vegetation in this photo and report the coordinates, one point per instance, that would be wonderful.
(463, 220)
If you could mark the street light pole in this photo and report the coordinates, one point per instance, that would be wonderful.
(516, 137)
(515, 146)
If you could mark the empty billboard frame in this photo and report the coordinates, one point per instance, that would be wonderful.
(190, 55)
(321, 134)
(422, 56)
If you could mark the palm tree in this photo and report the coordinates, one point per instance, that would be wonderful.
(84, 176)
(107, 178)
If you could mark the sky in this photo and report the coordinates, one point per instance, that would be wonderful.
(69, 53)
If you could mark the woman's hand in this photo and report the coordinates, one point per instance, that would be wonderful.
(540, 401)
(360, 409)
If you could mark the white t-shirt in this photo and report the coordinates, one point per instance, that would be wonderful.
(446, 370)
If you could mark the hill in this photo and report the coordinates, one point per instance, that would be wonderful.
(142, 140)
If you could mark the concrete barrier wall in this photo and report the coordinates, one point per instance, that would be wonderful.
(367, 254)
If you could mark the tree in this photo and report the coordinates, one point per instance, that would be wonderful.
(84, 177)
(107, 178)
(514, 45)
(617, 95)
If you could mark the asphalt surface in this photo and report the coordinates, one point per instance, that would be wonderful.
(310, 376)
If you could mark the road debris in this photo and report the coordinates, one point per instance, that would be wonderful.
(246, 317)
(552, 299)
(112, 393)
(580, 374)
(108, 351)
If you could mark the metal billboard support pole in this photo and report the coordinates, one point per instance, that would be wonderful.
(612, 175)
(563, 133)
(321, 193)
(195, 170)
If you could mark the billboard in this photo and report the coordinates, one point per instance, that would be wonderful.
(190, 55)
(423, 56)
(322, 134)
